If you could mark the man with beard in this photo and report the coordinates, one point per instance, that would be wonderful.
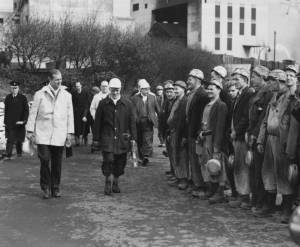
(115, 128)
(196, 101)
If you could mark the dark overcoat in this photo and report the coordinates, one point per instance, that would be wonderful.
(16, 109)
(240, 114)
(115, 125)
(194, 115)
(81, 105)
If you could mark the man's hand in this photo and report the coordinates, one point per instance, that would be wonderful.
(84, 119)
(30, 136)
(68, 142)
(201, 136)
(20, 123)
(233, 135)
(260, 148)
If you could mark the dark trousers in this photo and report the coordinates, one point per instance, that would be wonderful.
(230, 178)
(113, 164)
(145, 138)
(256, 182)
(10, 145)
(50, 176)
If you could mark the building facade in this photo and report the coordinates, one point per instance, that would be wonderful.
(242, 28)
(104, 11)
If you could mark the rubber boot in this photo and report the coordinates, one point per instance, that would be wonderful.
(218, 197)
(108, 185)
(287, 202)
(268, 208)
(115, 185)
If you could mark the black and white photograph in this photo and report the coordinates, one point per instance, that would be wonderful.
(149, 123)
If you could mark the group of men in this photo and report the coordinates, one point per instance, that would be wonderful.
(241, 134)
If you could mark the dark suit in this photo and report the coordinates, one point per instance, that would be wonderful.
(16, 109)
(193, 120)
(146, 118)
(240, 120)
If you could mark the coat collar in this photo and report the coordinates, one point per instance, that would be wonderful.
(108, 100)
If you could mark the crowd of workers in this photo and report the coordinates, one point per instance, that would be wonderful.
(237, 132)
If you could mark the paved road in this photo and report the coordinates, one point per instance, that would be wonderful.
(147, 213)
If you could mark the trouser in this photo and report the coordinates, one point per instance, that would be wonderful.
(170, 151)
(195, 168)
(50, 177)
(10, 145)
(241, 169)
(113, 164)
(275, 168)
(230, 177)
(178, 157)
(256, 182)
(145, 138)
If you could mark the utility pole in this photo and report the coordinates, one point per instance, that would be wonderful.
(274, 49)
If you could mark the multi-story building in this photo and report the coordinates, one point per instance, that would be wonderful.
(242, 28)
(105, 11)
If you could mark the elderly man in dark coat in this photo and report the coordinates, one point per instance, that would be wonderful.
(81, 106)
(115, 128)
(147, 111)
(15, 118)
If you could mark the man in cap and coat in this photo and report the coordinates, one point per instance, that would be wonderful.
(257, 109)
(51, 126)
(147, 112)
(239, 126)
(211, 140)
(178, 152)
(115, 130)
(277, 139)
(160, 97)
(196, 100)
(15, 118)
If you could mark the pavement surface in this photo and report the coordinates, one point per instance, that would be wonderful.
(148, 212)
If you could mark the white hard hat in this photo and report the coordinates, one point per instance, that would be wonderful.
(143, 84)
(221, 71)
(115, 83)
(197, 73)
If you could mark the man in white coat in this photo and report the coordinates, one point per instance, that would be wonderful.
(50, 126)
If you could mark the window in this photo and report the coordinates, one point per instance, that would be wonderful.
(135, 7)
(242, 13)
(217, 27)
(253, 14)
(217, 43)
(229, 28)
(253, 29)
(146, 5)
(242, 28)
(217, 11)
(229, 12)
(1, 21)
(229, 44)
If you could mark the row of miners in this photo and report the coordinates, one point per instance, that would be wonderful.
(239, 132)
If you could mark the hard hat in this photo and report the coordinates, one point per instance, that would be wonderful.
(221, 71)
(242, 72)
(216, 83)
(197, 73)
(213, 167)
(277, 74)
(181, 84)
(143, 84)
(159, 87)
(169, 86)
(292, 67)
(115, 83)
(261, 71)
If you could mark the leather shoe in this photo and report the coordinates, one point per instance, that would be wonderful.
(56, 193)
(107, 188)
